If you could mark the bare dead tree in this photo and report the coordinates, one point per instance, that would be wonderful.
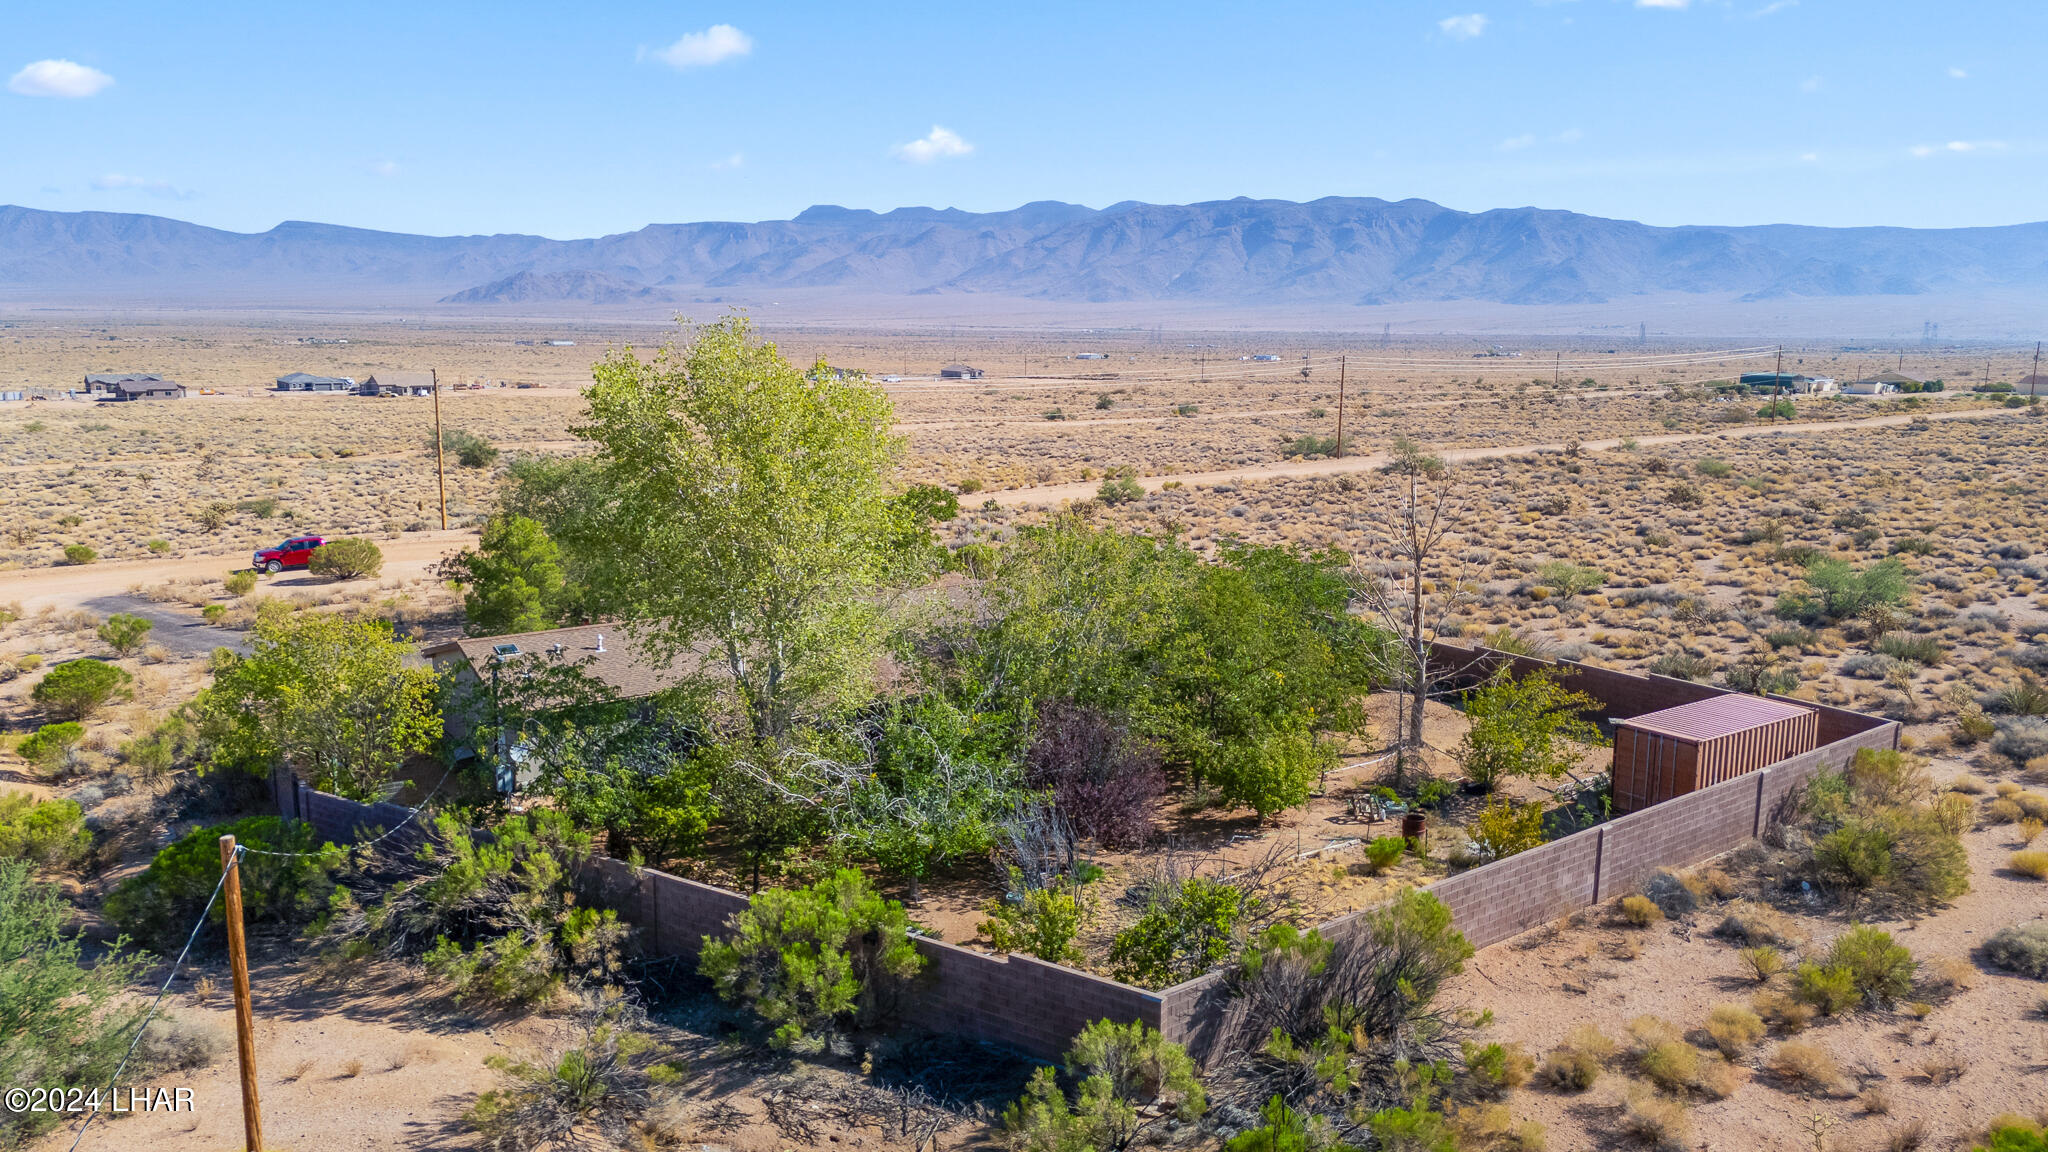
(1419, 581)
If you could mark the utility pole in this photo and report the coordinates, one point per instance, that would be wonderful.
(245, 1019)
(1778, 382)
(1557, 371)
(1340, 406)
(2034, 381)
(440, 449)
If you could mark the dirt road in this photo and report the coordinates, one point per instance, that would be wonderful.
(1056, 493)
(412, 555)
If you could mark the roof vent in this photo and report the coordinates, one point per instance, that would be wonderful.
(503, 650)
(600, 641)
(556, 647)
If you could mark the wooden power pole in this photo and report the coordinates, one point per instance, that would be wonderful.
(440, 449)
(245, 1017)
(1340, 406)
(2034, 381)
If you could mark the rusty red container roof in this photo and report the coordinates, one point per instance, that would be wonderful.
(1715, 717)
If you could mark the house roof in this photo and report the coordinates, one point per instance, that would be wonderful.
(119, 377)
(625, 664)
(1715, 717)
(959, 368)
(149, 384)
(1896, 378)
(310, 378)
(402, 378)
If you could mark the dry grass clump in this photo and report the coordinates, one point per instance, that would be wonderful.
(1493, 1126)
(1713, 883)
(1654, 1121)
(2003, 810)
(1805, 1067)
(2031, 863)
(1575, 1065)
(1941, 1070)
(1907, 1137)
(1762, 962)
(1752, 923)
(1640, 911)
(1944, 976)
(1875, 1101)
(1734, 1029)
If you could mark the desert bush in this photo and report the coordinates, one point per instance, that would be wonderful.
(1105, 779)
(157, 906)
(1493, 1070)
(1309, 445)
(1831, 988)
(1569, 1068)
(1042, 922)
(1671, 893)
(239, 583)
(350, 558)
(1640, 911)
(124, 633)
(50, 746)
(1877, 835)
(808, 959)
(1120, 489)
(76, 689)
(1880, 969)
(1944, 976)
(80, 554)
(1127, 1077)
(49, 833)
(2031, 863)
(156, 751)
(604, 1082)
(1923, 650)
(495, 920)
(2006, 1136)
(1188, 928)
(1752, 923)
(1655, 1121)
(2023, 738)
(1805, 1066)
(1782, 1011)
(1505, 827)
(1568, 580)
(2003, 810)
(1672, 1065)
(1734, 1029)
(1762, 961)
(1682, 665)
(181, 1044)
(67, 1023)
(469, 449)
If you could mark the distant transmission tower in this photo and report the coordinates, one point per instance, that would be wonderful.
(1386, 335)
(1642, 333)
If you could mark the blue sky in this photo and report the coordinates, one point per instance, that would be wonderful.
(515, 117)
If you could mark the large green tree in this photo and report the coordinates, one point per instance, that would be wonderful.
(333, 697)
(513, 579)
(748, 515)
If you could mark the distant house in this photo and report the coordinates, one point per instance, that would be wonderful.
(1266, 357)
(1789, 382)
(307, 382)
(152, 389)
(1884, 384)
(1091, 356)
(960, 372)
(399, 383)
(2033, 385)
(106, 383)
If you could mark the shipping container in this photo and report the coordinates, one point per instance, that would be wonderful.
(1664, 754)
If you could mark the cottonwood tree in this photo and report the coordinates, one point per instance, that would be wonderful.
(1419, 582)
(747, 513)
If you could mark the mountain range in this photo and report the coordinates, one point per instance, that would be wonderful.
(1330, 252)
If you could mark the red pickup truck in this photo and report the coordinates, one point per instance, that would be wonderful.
(296, 552)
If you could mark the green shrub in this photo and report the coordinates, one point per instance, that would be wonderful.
(1881, 969)
(239, 583)
(1734, 1029)
(1187, 929)
(1922, 650)
(1718, 469)
(158, 750)
(1568, 580)
(50, 745)
(468, 448)
(2014, 1137)
(2022, 948)
(1491, 1070)
(50, 833)
(349, 558)
(124, 633)
(80, 554)
(1042, 922)
(158, 905)
(159, 547)
(1384, 852)
(607, 1081)
(1310, 445)
(1127, 1077)
(1120, 489)
(1273, 771)
(1505, 827)
(1529, 726)
(76, 689)
(806, 959)
(1830, 988)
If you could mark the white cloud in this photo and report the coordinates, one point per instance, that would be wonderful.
(63, 79)
(1773, 8)
(1463, 27)
(1958, 74)
(1517, 143)
(1568, 136)
(1810, 84)
(1663, 3)
(735, 160)
(940, 143)
(717, 43)
(163, 189)
(384, 167)
(1956, 146)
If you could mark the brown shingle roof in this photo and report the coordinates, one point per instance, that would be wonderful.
(625, 664)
